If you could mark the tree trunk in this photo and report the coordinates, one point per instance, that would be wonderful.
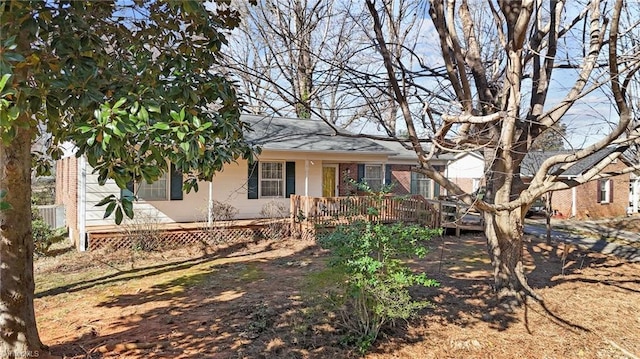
(19, 335)
(504, 232)
(548, 212)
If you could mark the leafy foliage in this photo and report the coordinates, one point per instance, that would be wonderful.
(373, 276)
(128, 82)
(43, 235)
(4, 205)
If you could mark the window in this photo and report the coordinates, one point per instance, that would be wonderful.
(271, 179)
(156, 191)
(373, 176)
(421, 185)
(167, 187)
(604, 191)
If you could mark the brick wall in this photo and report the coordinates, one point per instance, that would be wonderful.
(67, 193)
(466, 184)
(587, 205)
(401, 176)
(561, 202)
(347, 171)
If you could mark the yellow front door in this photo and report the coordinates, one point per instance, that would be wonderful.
(328, 181)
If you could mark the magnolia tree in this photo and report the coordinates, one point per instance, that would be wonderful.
(501, 61)
(129, 83)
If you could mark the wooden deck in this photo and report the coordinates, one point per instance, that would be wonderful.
(457, 216)
(408, 209)
(307, 214)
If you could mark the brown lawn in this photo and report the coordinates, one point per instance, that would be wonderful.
(630, 224)
(260, 300)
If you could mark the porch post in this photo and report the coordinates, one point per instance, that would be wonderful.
(636, 195)
(82, 203)
(306, 187)
(574, 210)
(210, 205)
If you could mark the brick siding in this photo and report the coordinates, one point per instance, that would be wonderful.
(67, 193)
(587, 205)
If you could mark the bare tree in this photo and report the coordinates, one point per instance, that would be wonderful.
(290, 57)
(315, 58)
(500, 73)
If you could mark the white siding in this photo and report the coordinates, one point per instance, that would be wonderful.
(467, 166)
(229, 186)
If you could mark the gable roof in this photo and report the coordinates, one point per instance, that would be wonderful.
(534, 159)
(293, 134)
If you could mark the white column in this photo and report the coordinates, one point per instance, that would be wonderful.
(306, 178)
(82, 203)
(574, 199)
(306, 187)
(210, 205)
(636, 194)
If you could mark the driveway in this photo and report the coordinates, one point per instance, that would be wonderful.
(591, 236)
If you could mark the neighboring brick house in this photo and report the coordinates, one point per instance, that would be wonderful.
(67, 191)
(596, 199)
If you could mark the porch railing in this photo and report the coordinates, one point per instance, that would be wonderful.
(334, 210)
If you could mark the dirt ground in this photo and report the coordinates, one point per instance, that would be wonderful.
(260, 300)
(631, 224)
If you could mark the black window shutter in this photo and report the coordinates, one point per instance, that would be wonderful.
(176, 184)
(290, 185)
(436, 190)
(414, 183)
(599, 192)
(387, 174)
(611, 190)
(252, 181)
(360, 172)
(127, 192)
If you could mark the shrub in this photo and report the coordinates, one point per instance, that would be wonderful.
(375, 279)
(276, 212)
(43, 235)
(219, 220)
(144, 232)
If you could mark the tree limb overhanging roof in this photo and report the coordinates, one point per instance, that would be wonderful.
(534, 159)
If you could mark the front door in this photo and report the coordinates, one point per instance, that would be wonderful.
(329, 184)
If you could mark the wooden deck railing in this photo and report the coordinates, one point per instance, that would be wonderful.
(331, 211)
(334, 210)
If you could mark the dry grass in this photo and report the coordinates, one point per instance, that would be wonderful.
(251, 300)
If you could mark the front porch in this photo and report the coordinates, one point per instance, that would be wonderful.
(331, 211)
(306, 215)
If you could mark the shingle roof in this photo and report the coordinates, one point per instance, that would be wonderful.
(292, 134)
(534, 159)
(403, 154)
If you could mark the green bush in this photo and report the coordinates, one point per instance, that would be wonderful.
(375, 281)
(43, 235)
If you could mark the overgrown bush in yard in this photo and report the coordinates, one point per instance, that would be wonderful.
(220, 217)
(43, 235)
(276, 212)
(372, 276)
(144, 232)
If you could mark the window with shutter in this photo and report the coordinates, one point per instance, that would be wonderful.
(604, 193)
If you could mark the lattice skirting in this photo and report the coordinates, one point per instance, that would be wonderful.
(163, 239)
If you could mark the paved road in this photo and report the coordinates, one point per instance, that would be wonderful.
(616, 245)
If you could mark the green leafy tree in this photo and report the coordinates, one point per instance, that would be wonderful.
(129, 83)
(553, 139)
